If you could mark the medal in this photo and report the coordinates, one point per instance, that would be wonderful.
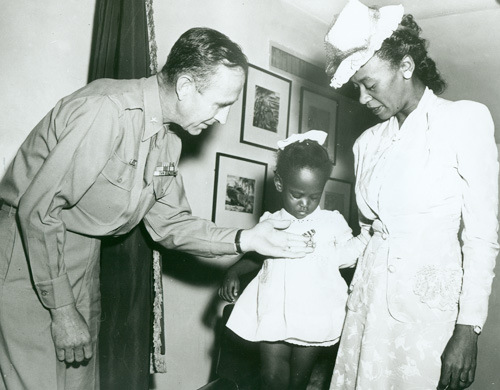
(165, 169)
(310, 234)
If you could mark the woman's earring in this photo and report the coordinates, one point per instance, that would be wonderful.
(407, 74)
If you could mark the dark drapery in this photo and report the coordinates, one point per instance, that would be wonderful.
(120, 50)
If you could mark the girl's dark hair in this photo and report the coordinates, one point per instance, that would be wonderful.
(305, 154)
(406, 40)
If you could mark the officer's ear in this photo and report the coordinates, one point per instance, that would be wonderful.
(184, 86)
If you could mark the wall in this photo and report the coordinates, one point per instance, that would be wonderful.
(45, 50)
(467, 57)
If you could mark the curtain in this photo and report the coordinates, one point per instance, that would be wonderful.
(120, 47)
(121, 50)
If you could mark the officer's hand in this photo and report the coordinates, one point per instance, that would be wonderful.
(267, 239)
(70, 334)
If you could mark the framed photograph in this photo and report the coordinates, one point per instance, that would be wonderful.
(266, 107)
(238, 191)
(337, 196)
(319, 112)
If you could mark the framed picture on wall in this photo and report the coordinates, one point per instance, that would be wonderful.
(266, 107)
(337, 196)
(238, 191)
(319, 112)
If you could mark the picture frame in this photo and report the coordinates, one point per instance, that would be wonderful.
(239, 189)
(337, 196)
(266, 108)
(319, 112)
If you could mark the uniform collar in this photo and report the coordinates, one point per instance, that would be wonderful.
(153, 117)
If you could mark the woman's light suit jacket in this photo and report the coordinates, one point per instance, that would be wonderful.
(429, 192)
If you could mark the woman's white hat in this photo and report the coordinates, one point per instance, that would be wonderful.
(356, 34)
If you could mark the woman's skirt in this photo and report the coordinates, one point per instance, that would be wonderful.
(377, 352)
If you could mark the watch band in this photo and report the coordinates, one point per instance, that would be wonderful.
(237, 241)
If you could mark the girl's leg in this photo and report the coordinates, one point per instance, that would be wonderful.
(301, 365)
(275, 365)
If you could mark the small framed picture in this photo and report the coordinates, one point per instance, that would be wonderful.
(238, 191)
(266, 106)
(319, 112)
(337, 196)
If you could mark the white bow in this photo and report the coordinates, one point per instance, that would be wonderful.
(313, 135)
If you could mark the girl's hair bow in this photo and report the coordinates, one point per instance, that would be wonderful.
(312, 135)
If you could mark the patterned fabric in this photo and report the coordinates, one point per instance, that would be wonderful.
(378, 352)
(301, 301)
(157, 357)
(153, 48)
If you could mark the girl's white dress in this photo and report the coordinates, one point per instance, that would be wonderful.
(301, 301)
(415, 281)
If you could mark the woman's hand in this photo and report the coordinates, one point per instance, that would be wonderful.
(458, 360)
(70, 334)
(230, 287)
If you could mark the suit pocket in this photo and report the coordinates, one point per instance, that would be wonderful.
(438, 288)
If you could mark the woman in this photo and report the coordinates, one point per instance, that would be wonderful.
(419, 297)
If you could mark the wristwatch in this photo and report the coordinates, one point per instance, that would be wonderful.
(477, 329)
(237, 242)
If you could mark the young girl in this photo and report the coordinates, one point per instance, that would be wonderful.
(294, 306)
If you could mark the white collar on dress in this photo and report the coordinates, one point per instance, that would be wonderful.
(287, 216)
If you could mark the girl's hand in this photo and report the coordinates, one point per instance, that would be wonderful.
(230, 287)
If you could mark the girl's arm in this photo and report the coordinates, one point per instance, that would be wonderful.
(349, 248)
(230, 287)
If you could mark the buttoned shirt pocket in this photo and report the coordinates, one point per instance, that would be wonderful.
(119, 173)
(107, 201)
(162, 185)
